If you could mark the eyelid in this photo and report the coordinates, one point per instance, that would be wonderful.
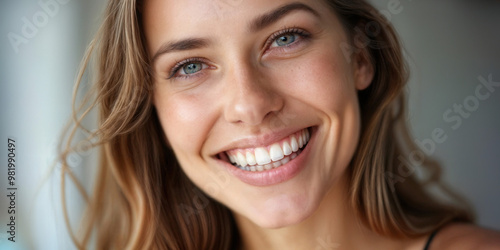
(178, 65)
(291, 30)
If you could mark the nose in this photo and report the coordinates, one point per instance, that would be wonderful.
(251, 97)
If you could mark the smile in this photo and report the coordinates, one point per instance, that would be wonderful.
(271, 156)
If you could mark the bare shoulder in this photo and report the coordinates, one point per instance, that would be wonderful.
(466, 236)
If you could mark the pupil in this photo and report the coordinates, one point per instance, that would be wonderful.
(192, 68)
(285, 40)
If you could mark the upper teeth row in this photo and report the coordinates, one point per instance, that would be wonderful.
(274, 152)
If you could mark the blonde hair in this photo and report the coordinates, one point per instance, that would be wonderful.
(142, 199)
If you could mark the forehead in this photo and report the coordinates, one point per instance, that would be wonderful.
(175, 19)
(211, 10)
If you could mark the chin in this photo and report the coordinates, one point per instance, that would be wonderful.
(284, 210)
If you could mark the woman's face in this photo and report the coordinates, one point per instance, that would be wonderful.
(257, 100)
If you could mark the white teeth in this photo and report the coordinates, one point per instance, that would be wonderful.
(242, 160)
(259, 168)
(231, 159)
(273, 156)
(285, 160)
(287, 150)
(275, 152)
(250, 159)
(262, 156)
(294, 144)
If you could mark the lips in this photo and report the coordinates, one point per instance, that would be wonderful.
(271, 156)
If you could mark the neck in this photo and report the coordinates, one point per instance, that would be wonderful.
(333, 225)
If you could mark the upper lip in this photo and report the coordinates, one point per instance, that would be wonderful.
(261, 140)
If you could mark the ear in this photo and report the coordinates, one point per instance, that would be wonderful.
(363, 70)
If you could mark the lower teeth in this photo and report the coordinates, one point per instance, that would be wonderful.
(258, 168)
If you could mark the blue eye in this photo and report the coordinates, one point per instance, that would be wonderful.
(188, 67)
(287, 37)
(285, 40)
(192, 68)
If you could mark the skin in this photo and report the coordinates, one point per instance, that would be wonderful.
(253, 90)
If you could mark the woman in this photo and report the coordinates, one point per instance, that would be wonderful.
(233, 124)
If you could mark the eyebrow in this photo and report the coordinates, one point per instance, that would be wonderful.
(257, 24)
(185, 44)
(273, 16)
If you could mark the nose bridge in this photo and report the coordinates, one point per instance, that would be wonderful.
(251, 96)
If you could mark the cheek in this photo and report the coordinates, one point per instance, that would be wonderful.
(323, 80)
(184, 120)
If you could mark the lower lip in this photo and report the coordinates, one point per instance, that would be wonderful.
(274, 176)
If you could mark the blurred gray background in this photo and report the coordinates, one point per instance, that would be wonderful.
(450, 45)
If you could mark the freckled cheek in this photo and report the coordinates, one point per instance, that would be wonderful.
(324, 78)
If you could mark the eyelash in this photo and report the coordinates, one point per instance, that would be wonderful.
(180, 64)
(286, 31)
